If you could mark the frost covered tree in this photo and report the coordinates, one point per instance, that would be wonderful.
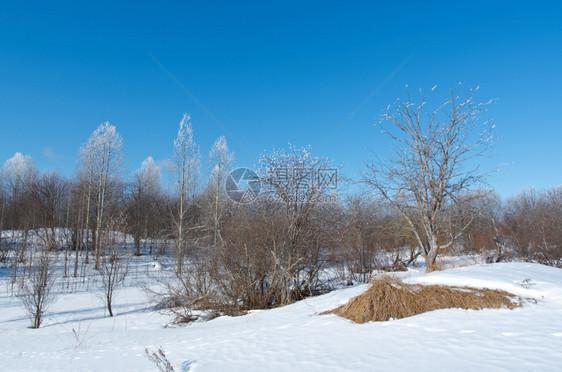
(221, 160)
(19, 171)
(297, 180)
(186, 163)
(149, 176)
(100, 166)
(433, 163)
(144, 196)
(297, 184)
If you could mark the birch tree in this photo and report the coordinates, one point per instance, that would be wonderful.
(186, 164)
(19, 171)
(146, 189)
(221, 161)
(433, 163)
(101, 158)
(84, 188)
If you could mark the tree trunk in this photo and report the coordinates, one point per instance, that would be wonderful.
(137, 245)
(431, 258)
(109, 305)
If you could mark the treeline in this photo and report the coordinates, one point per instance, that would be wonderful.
(273, 246)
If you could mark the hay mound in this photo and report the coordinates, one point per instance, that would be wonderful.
(391, 298)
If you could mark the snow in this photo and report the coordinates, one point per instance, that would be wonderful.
(296, 337)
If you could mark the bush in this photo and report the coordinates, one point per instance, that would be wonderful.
(36, 289)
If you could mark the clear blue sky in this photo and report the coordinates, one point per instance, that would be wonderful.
(290, 71)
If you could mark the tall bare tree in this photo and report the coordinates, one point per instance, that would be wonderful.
(102, 157)
(432, 164)
(186, 165)
(49, 193)
(146, 190)
(84, 189)
(19, 175)
(296, 183)
(221, 160)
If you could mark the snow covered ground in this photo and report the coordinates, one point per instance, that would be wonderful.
(295, 337)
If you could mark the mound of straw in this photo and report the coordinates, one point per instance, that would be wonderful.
(390, 298)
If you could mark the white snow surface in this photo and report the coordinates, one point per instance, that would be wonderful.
(296, 337)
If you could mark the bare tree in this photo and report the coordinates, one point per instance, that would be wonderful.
(20, 174)
(221, 161)
(113, 273)
(75, 225)
(144, 197)
(297, 183)
(3, 202)
(269, 252)
(84, 190)
(361, 235)
(49, 193)
(186, 165)
(19, 171)
(251, 270)
(551, 249)
(532, 223)
(102, 157)
(432, 163)
(483, 234)
(36, 289)
(114, 268)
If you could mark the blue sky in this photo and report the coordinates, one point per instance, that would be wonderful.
(275, 73)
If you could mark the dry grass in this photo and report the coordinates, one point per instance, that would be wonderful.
(391, 298)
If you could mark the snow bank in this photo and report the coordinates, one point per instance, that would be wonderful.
(295, 337)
